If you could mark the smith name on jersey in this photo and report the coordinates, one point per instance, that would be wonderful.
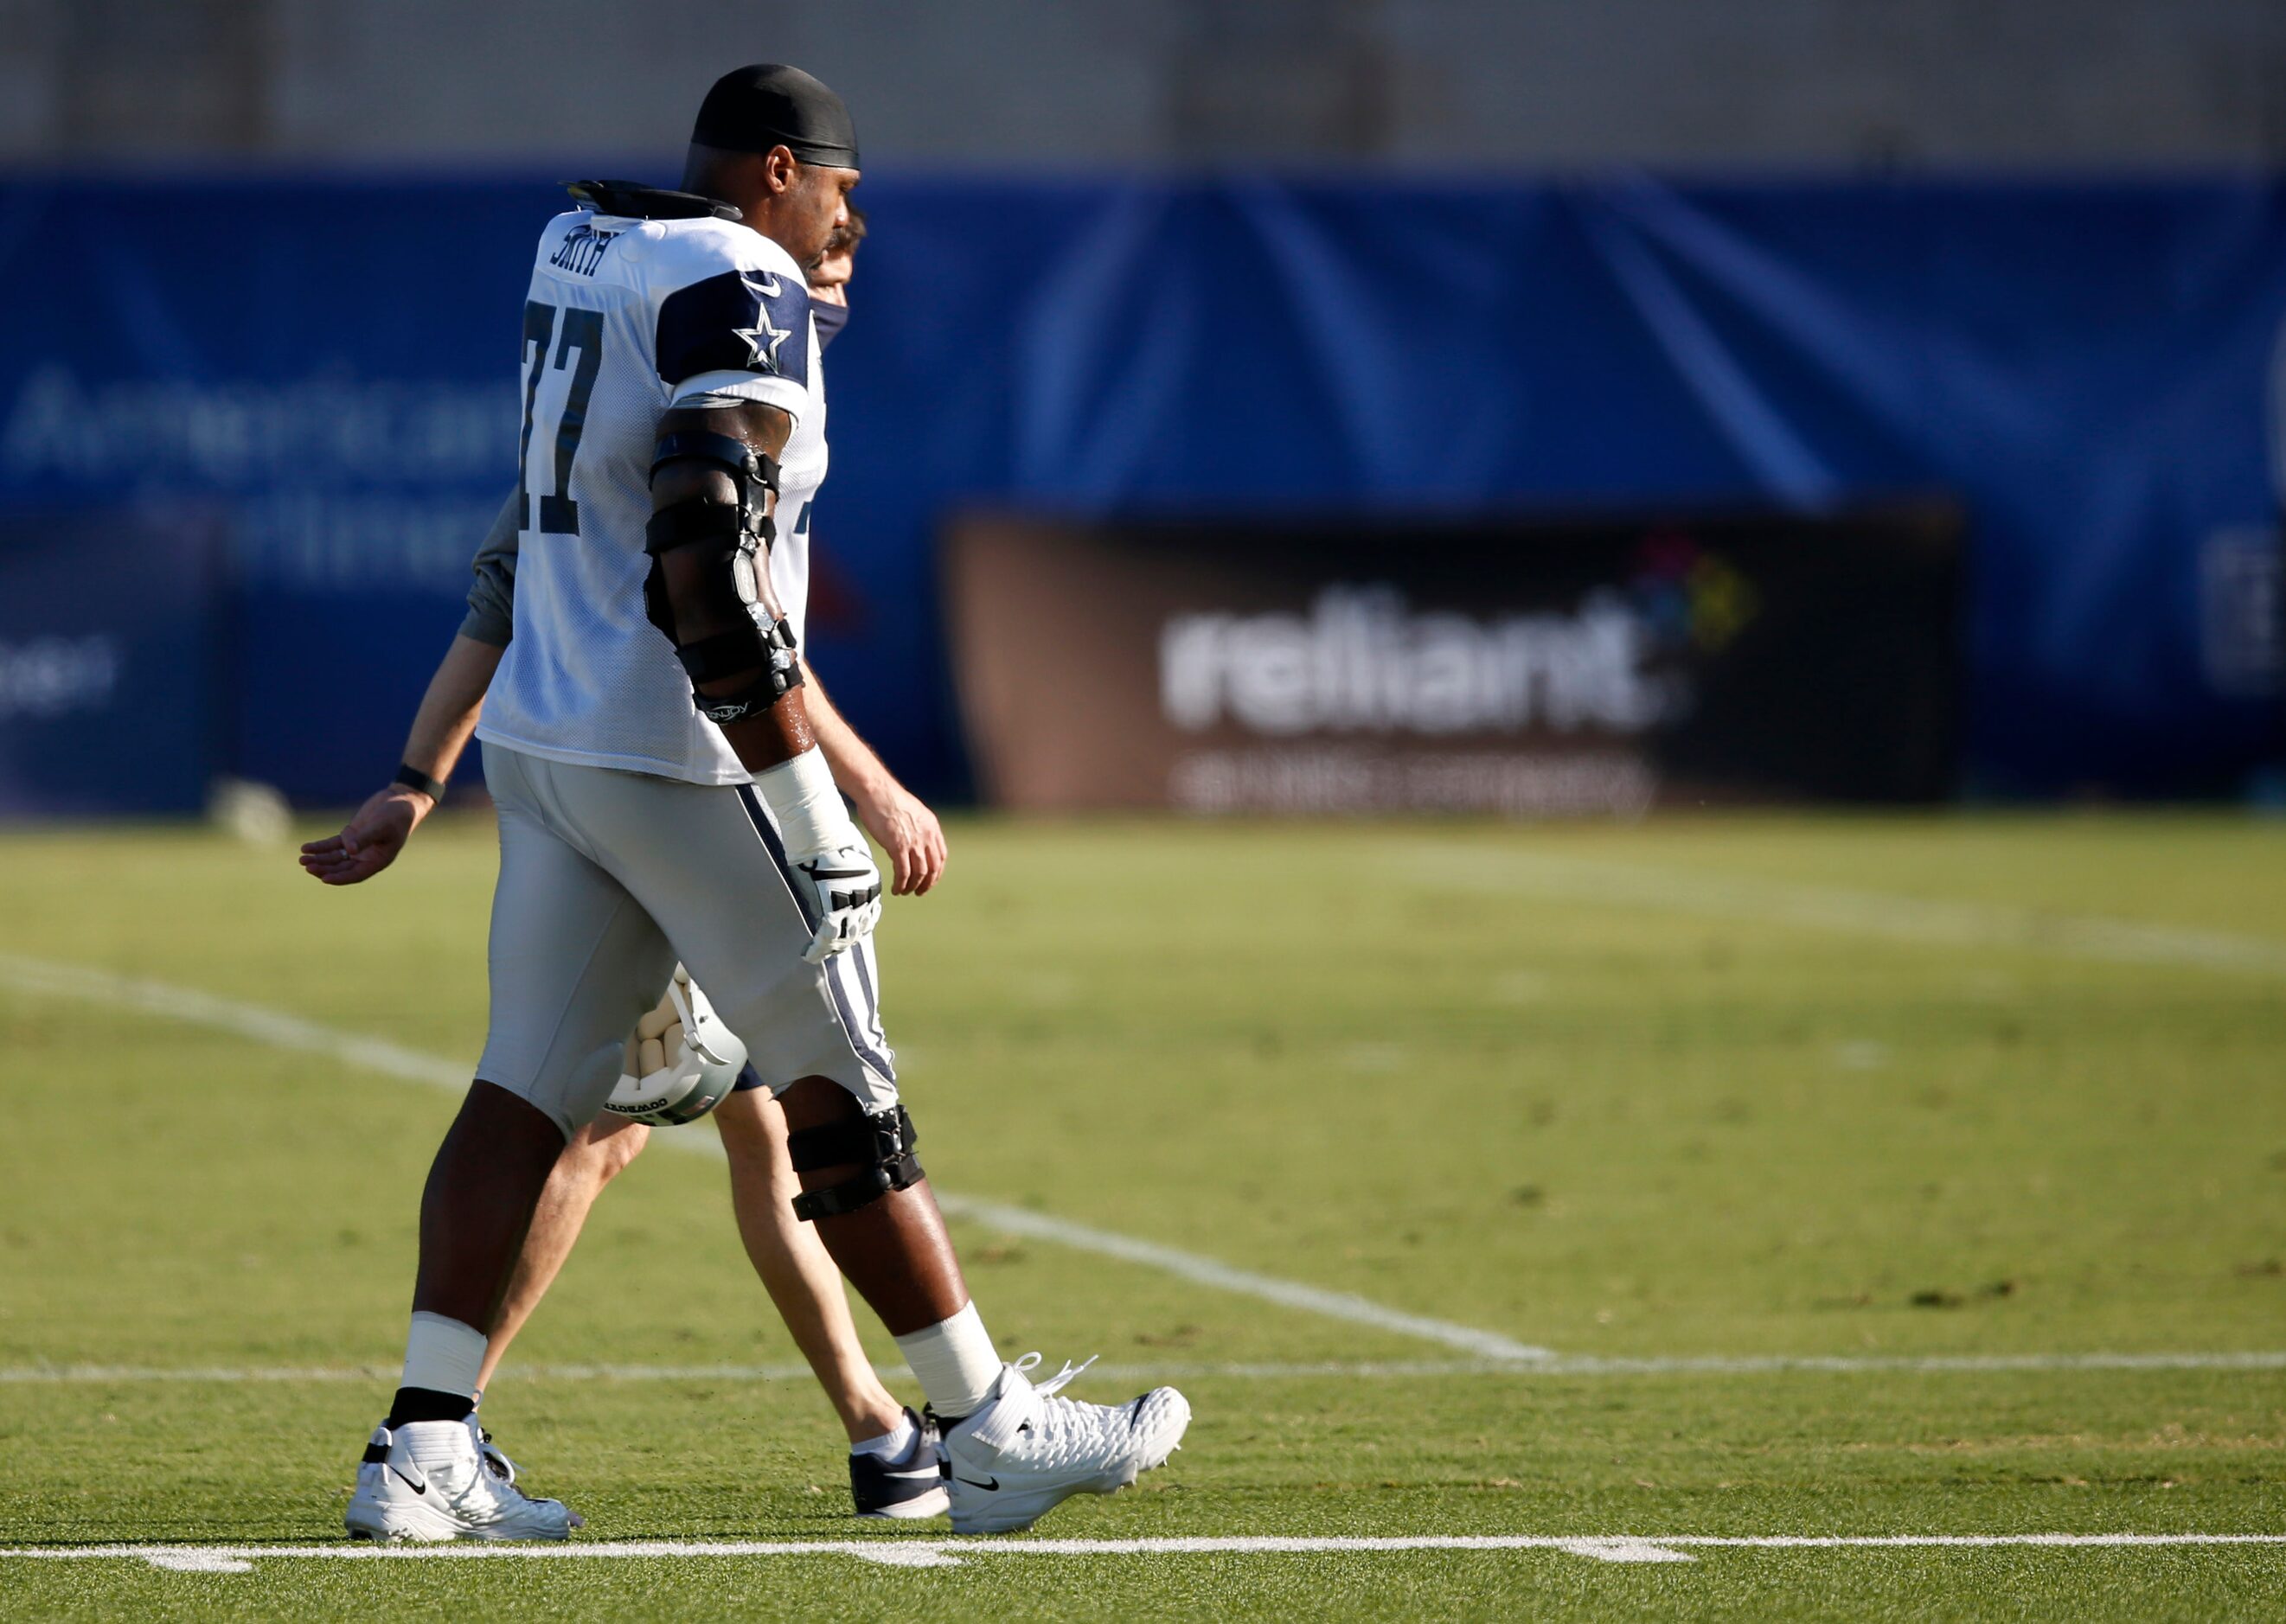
(629, 315)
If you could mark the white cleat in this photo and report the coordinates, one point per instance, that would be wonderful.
(495, 1457)
(1027, 1450)
(434, 1480)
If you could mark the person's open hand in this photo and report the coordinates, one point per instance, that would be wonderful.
(908, 831)
(370, 841)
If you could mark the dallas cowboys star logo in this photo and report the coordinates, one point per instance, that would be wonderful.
(762, 339)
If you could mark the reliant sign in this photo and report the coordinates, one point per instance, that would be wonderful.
(1560, 667)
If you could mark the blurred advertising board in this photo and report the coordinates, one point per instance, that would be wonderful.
(1526, 668)
(108, 662)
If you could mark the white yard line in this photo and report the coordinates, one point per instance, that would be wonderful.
(281, 1030)
(897, 1552)
(1940, 1364)
(1924, 921)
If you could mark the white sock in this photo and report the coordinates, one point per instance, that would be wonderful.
(443, 1355)
(891, 1444)
(955, 1362)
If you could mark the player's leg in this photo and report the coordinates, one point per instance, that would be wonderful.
(1014, 1451)
(894, 1249)
(598, 1154)
(485, 1178)
(794, 1267)
(573, 961)
(893, 1467)
(708, 866)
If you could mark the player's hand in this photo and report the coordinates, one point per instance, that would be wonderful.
(845, 890)
(368, 842)
(908, 831)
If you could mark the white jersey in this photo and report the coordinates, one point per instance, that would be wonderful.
(625, 318)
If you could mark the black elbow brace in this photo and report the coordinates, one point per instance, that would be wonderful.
(882, 1144)
(736, 544)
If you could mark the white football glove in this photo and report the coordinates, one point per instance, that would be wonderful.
(845, 891)
(828, 853)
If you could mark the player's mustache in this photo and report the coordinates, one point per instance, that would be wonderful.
(841, 241)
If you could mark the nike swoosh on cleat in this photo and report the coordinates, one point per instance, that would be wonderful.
(992, 1487)
(923, 1472)
(419, 1488)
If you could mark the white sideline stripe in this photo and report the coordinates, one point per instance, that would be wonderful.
(948, 1553)
(1927, 921)
(1207, 1272)
(284, 1032)
(1938, 1364)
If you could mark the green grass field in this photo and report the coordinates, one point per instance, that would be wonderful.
(1973, 1108)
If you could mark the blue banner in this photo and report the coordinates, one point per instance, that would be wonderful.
(110, 658)
(2087, 369)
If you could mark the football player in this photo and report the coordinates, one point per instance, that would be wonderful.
(655, 755)
(893, 1467)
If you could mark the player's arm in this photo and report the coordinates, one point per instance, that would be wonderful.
(713, 500)
(371, 840)
(724, 619)
(492, 594)
(893, 814)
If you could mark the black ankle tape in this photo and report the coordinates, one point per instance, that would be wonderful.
(427, 1404)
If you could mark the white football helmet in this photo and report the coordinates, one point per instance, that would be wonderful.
(680, 1061)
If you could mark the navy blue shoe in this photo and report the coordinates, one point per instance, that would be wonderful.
(910, 1486)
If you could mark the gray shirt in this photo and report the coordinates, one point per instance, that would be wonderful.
(491, 595)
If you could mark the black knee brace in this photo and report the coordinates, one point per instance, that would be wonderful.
(882, 1144)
